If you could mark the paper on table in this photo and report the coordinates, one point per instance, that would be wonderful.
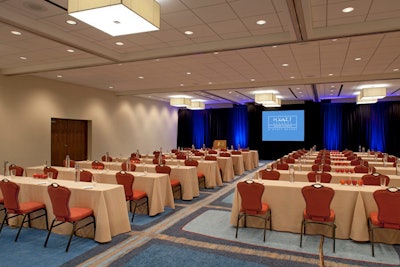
(88, 187)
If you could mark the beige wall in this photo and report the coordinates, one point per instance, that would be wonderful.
(120, 125)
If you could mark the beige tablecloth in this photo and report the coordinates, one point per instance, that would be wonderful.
(351, 204)
(156, 186)
(106, 200)
(238, 164)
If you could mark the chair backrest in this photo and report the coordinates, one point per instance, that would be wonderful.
(374, 179)
(124, 166)
(211, 151)
(210, 158)
(97, 165)
(290, 160)
(135, 155)
(181, 156)
(388, 201)
(163, 169)
(198, 153)
(71, 163)
(59, 196)
(126, 179)
(156, 161)
(10, 191)
(282, 166)
(325, 167)
(19, 171)
(85, 176)
(391, 159)
(326, 177)
(318, 200)
(270, 175)
(191, 162)
(224, 154)
(320, 160)
(361, 169)
(106, 158)
(236, 152)
(251, 194)
(47, 169)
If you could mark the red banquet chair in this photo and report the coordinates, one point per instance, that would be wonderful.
(85, 176)
(200, 176)
(387, 216)
(106, 158)
(363, 169)
(124, 166)
(282, 166)
(318, 199)
(97, 165)
(326, 177)
(269, 175)
(138, 197)
(10, 191)
(375, 179)
(47, 170)
(19, 171)
(252, 205)
(317, 167)
(63, 213)
(175, 184)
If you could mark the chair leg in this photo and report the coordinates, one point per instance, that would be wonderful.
(4, 220)
(371, 237)
(20, 227)
(237, 225)
(49, 232)
(134, 210)
(70, 236)
(334, 237)
(302, 229)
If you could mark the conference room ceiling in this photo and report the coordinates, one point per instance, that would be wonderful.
(308, 50)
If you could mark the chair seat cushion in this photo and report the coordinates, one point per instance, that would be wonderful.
(331, 217)
(264, 209)
(139, 194)
(374, 220)
(174, 182)
(26, 207)
(78, 213)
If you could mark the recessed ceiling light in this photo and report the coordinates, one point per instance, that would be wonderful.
(274, 46)
(209, 82)
(332, 86)
(188, 32)
(334, 40)
(230, 92)
(252, 80)
(297, 88)
(111, 87)
(23, 58)
(119, 43)
(188, 73)
(59, 76)
(261, 22)
(285, 65)
(71, 22)
(357, 59)
(395, 69)
(141, 77)
(71, 50)
(16, 32)
(330, 74)
(181, 84)
(347, 9)
(291, 77)
(216, 53)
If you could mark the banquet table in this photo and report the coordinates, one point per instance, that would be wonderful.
(301, 176)
(187, 176)
(107, 201)
(238, 164)
(352, 205)
(156, 186)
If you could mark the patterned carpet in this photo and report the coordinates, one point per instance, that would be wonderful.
(196, 233)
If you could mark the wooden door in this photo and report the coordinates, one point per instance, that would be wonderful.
(68, 137)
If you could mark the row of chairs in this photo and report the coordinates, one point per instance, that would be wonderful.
(63, 213)
(318, 210)
(326, 177)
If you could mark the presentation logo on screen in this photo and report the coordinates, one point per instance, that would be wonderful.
(285, 125)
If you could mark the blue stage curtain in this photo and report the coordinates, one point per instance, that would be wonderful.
(199, 128)
(332, 118)
(377, 125)
(239, 126)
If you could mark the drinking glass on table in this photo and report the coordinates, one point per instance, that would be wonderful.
(50, 175)
(94, 182)
(383, 181)
(13, 173)
(318, 178)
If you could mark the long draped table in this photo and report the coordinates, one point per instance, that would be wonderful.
(352, 205)
(107, 201)
(156, 186)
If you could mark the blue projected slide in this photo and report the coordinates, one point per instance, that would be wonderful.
(284, 125)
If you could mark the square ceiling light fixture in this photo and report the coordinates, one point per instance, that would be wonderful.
(277, 104)
(196, 105)
(117, 17)
(371, 93)
(180, 102)
(265, 98)
(366, 101)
